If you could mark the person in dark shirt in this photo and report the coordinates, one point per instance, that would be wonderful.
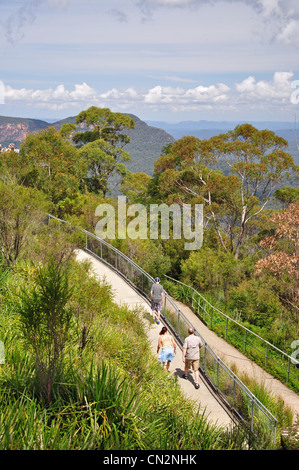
(157, 295)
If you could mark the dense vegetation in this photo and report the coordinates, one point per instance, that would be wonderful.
(78, 372)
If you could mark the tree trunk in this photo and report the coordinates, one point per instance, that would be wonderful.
(242, 231)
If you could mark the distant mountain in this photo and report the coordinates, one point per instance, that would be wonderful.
(148, 138)
(206, 129)
(14, 130)
(144, 148)
(145, 145)
(216, 125)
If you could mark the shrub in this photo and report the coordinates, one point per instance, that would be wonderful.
(45, 321)
(256, 303)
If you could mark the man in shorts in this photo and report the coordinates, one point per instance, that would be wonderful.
(157, 293)
(191, 347)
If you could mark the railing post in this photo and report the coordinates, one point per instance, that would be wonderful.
(179, 321)
(205, 359)
(252, 412)
(234, 392)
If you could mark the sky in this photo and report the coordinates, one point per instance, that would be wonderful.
(162, 60)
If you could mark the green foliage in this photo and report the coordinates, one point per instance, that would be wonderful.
(105, 124)
(102, 144)
(134, 186)
(148, 254)
(104, 160)
(128, 402)
(45, 320)
(287, 195)
(212, 271)
(255, 302)
(54, 165)
(18, 221)
(257, 161)
(111, 395)
(90, 299)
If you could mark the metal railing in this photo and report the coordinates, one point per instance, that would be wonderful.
(234, 332)
(236, 396)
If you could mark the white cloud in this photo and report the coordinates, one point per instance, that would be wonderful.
(278, 89)
(56, 99)
(171, 97)
(249, 93)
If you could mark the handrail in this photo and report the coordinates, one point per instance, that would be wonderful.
(268, 345)
(229, 387)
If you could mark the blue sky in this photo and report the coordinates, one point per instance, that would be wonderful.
(170, 60)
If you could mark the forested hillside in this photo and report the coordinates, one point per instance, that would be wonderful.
(144, 148)
(238, 216)
(207, 129)
(247, 266)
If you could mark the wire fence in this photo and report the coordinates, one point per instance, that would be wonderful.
(236, 396)
(279, 363)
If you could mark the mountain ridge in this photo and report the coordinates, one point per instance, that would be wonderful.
(205, 129)
(144, 148)
(149, 137)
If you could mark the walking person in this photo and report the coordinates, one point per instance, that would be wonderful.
(191, 347)
(157, 295)
(168, 348)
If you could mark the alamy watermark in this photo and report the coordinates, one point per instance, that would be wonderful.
(295, 94)
(137, 221)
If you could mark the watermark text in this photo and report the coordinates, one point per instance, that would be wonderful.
(295, 94)
(137, 221)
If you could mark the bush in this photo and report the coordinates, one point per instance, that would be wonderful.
(45, 321)
(257, 304)
(212, 271)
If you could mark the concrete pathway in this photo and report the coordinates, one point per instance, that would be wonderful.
(232, 357)
(125, 294)
(229, 355)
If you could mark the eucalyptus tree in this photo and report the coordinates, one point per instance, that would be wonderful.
(183, 174)
(260, 159)
(257, 162)
(99, 135)
(54, 164)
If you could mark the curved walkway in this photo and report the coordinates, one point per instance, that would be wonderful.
(230, 356)
(125, 294)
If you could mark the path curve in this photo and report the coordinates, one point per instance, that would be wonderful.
(126, 295)
(232, 357)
